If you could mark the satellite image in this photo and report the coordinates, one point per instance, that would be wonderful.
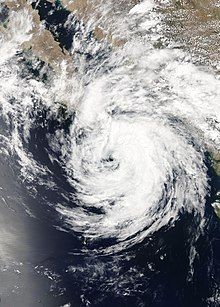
(110, 153)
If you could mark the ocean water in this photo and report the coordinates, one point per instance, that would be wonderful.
(107, 183)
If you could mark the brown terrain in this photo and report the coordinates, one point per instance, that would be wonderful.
(193, 24)
(42, 43)
(104, 15)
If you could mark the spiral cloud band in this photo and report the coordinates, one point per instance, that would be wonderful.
(135, 152)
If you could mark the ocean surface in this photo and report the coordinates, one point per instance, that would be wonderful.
(106, 178)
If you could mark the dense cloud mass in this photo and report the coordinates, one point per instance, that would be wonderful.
(128, 132)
